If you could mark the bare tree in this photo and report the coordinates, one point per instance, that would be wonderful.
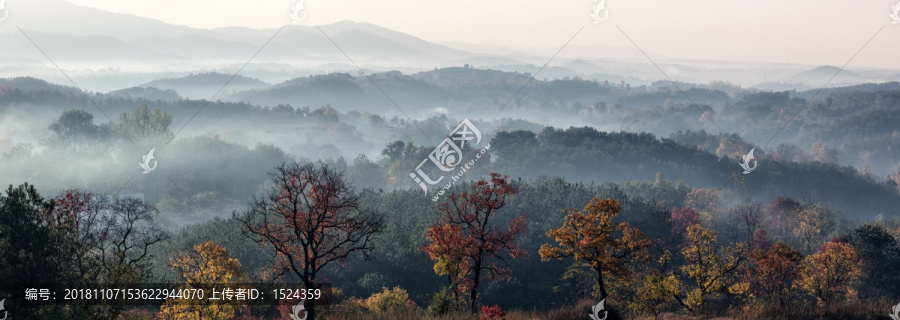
(746, 219)
(108, 241)
(311, 218)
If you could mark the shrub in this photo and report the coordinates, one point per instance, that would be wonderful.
(492, 313)
(443, 302)
(390, 300)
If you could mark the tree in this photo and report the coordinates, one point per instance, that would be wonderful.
(448, 255)
(654, 288)
(29, 251)
(682, 217)
(782, 215)
(394, 150)
(312, 219)
(707, 202)
(810, 228)
(830, 273)
(771, 278)
(591, 237)
(325, 114)
(106, 241)
(880, 254)
(467, 243)
(746, 219)
(75, 129)
(708, 265)
(819, 152)
(123, 232)
(112, 238)
(75, 238)
(654, 294)
(732, 146)
(895, 177)
(788, 153)
(207, 263)
(365, 173)
(145, 128)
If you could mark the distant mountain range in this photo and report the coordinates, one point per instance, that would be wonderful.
(825, 73)
(205, 85)
(90, 43)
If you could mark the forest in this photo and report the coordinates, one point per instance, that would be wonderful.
(641, 205)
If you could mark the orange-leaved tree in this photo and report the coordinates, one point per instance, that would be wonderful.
(206, 264)
(771, 279)
(466, 245)
(591, 237)
(444, 248)
(830, 273)
(312, 219)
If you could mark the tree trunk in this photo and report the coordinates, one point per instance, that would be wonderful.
(310, 307)
(473, 304)
(600, 283)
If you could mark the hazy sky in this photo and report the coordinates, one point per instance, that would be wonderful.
(804, 31)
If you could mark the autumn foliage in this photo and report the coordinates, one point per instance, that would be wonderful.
(830, 273)
(465, 244)
(207, 263)
(312, 219)
(708, 265)
(771, 278)
(493, 312)
(591, 237)
(682, 217)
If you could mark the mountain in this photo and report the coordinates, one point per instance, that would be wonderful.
(425, 47)
(34, 84)
(487, 61)
(147, 93)
(71, 48)
(205, 85)
(74, 35)
(196, 47)
(61, 17)
(583, 66)
(819, 76)
(89, 44)
(867, 87)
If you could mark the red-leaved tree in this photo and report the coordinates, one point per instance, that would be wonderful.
(682, 217)
(311, 218)
(783, 215)
(466, 245)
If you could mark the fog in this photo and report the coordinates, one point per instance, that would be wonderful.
(250, 96)
(710, 131)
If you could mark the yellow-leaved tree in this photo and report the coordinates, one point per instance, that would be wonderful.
(592, 238)
(709, 265)
(207, 263)
(654, 288)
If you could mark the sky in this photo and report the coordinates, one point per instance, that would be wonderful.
(776, 31)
